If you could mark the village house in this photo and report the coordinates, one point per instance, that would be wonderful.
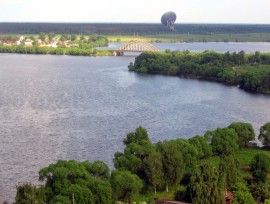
(28, 42)
(8, 43)
(52, 44)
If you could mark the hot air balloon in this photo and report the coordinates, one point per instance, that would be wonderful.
(168, 19)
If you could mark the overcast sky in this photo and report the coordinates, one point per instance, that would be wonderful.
(187, 11)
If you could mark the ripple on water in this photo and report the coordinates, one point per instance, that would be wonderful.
(62, 107)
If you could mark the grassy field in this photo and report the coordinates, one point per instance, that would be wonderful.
(252, 37)
(244, 156)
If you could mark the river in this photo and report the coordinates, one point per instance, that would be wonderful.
(64, 107)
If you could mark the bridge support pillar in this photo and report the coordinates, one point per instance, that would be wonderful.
(119, 53)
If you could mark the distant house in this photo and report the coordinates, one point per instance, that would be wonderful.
(18, 42)
(28, 42)
(8, 43)
(52, 44)
(21, 38)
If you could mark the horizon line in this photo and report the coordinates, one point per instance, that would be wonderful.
(65, 22)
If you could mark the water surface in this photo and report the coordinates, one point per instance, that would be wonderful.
(64, 107)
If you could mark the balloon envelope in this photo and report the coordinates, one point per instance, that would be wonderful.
(168, 19)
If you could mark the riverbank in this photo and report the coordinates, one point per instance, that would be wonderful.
(250, 72)
(55, 51)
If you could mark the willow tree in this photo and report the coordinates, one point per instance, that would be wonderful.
(230, 169)
(207, 185)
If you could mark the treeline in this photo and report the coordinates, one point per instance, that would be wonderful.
(128, 28)
(55, 51)
(186, 167)
(250, 71)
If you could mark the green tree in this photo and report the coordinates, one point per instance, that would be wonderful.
(66, 180)
(42, 36)
(206, 185)
(125, 185)
(229, 168)
(153, 169)
(224, 141)
(201, 145)
(51, 35)
(82, 38)
(101, 190)
(264, 135)
(173, 163)
(245, 133)
(242, 194)
(98, 169)
(138, 147)
(29, 194)
(73, 37)
(260, 167)
(138, 136)
(189, 152)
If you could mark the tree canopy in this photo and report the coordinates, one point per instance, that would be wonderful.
(245, 133)
(66, 180)
(125, 185)
(224, 141)
(264, 135)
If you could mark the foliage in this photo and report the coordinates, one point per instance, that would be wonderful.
(209, 65)
(138, 147)
(242, 194)
(260, 191)
(264, 135)
(260, 166)
(229, 168)
(53, 51)
(173, 163)
(125, 185)
(98, 169)
(206, 185)
(29, 194)
(201, 145)
(267, 201)
(153, 168)
(245, 133)
(224, 141)
(188, 151)
(67, 179)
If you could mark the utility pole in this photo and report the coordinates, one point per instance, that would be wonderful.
(73, 199)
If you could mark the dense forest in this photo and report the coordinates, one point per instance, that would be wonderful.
(250, 71)
(198, 170)
(128, 29)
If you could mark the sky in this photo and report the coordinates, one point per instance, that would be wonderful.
(141, 11)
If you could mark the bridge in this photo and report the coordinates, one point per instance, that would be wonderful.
(135, 46)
